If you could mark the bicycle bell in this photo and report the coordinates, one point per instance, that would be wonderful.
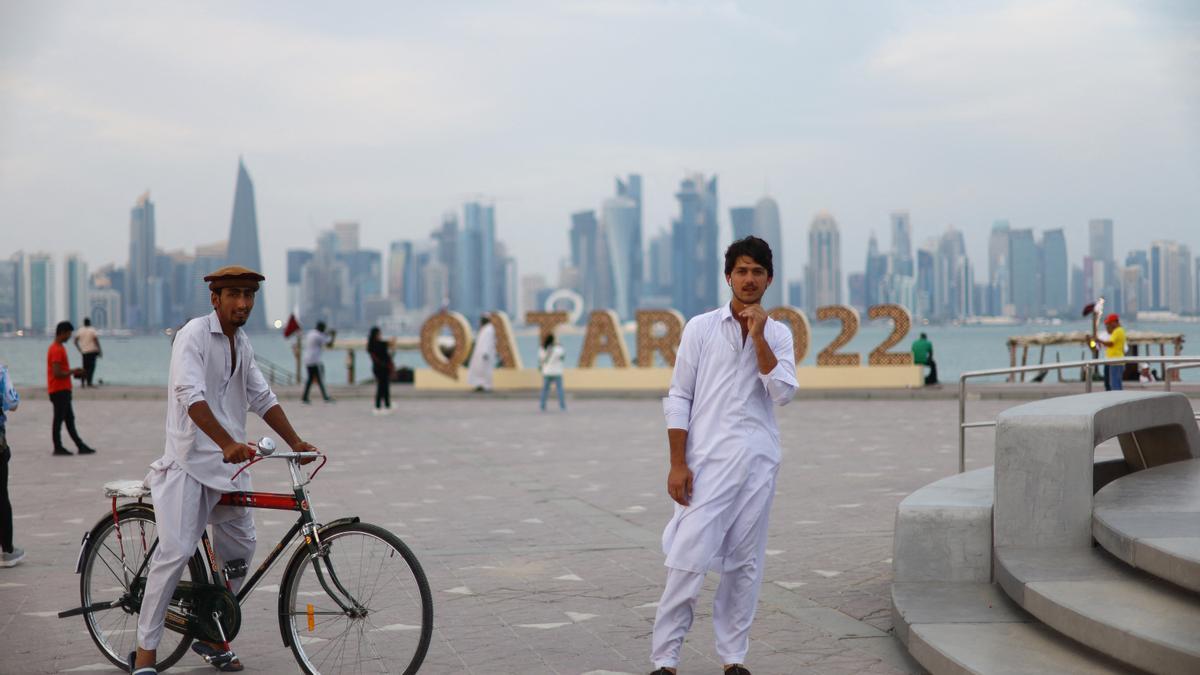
(266, 445)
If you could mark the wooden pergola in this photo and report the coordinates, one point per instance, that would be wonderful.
(1042, 340)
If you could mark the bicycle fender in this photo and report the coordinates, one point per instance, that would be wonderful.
(300, 551)
(103, 522)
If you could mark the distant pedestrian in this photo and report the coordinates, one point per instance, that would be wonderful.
(382, 367)
(1114, 348)
(483, 358)
(550, 362)
(922, 350)
(87, 341)
(9, 554)
(58, 386)
(315, 342)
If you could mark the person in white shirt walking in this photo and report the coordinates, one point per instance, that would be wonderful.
(483, 357)
(315, 342)
(733, 365)
(87, 341)
(213, 382)
(550, 361)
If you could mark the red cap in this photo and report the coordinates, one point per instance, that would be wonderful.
(1111, 318)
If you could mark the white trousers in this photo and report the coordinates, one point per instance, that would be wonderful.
(737, 594)
(183, 507)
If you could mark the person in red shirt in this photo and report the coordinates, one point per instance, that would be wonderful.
(58, 386)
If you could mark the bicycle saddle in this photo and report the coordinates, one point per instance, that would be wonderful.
(133, 489)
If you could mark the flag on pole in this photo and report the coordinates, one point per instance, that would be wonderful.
(292, 327)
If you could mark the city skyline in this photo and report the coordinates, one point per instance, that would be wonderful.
(1045, 114)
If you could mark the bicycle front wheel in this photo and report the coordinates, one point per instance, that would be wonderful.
(362, 606)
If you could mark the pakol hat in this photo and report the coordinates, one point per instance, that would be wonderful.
(1111, 318)
(234, 276)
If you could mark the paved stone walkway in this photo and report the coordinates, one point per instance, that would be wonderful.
(539, 531)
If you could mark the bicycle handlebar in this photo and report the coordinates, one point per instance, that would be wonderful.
(266, 450)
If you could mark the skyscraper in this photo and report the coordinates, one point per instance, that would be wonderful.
(1171, 277)
(1026, 284)
(477, 260)
(39, 293)
(823, 274)
(927, 279)
(999, 277)
(141, 265)
(954, 278)
(901, 260)
(631, 189)
(400, 273)
(243, 240)
(586, 258)
(76, 281)
(1100, 249)
(875, 275)
(619, 231)
(10, 290)
(695, 266)
(762, 221)
(1055, 273)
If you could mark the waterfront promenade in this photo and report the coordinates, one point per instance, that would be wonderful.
(539, 531)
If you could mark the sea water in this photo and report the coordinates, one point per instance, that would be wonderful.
(144, 359)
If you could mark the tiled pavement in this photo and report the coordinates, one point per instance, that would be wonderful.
(539, 531)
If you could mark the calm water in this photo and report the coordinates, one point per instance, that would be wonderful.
(143, 360)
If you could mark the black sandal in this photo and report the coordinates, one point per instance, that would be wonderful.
(144, 670)
(226, 662)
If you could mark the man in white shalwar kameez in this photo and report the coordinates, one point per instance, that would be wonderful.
(213, 382)
(483, 358)
(733, 365)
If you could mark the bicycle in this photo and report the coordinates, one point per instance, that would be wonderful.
(353, 596)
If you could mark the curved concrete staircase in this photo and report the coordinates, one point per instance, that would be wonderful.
(1052, 562)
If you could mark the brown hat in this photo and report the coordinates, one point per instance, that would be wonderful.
(234, 276)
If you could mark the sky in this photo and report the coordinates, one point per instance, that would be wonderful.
(1046, 114)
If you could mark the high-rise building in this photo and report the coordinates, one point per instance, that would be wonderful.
(10, 294)
(926, 292)
(75, 279)
(953, 277)
(141, 265)
(586, 258)
(695, 266)
(875, 276)
(1055, 280)
(823, 274)
(347, 233)
(856, 285)
(400, 273)
(1131, 289)
(243, 240)
(325, 290)
(795, 294)
(901, 260)
(532, 287)
(659, 278)
(39, 294)
(762, 221)
(631, 189)
(619, 232)
(999, 277)
(742, 220)
(1026, 283)
(297, 258)
(477, 263)
(1171, 277)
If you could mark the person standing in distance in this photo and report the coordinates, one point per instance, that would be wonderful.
(213, 382)
(58, 387)
(10, 555)
(315, 342)
(87, 341)
(1114, 348)
(733, 365)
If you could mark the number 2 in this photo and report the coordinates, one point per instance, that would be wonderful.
(849, 318)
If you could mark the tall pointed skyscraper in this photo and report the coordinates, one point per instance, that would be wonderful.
(243, 240)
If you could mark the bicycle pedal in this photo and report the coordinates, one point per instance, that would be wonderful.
(236, 569)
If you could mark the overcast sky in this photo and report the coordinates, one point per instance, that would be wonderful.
(1043, 113)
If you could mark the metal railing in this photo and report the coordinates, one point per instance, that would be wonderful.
(1088, 367)
(274, 372)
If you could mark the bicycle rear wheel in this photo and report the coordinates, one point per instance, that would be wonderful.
(108, 576)
(384, 620)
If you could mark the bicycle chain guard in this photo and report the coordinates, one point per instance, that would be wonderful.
(191, 611)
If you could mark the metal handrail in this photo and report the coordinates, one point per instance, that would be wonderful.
(1089, 366)
(274, 370)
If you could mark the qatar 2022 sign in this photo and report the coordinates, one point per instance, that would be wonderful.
(658, 334)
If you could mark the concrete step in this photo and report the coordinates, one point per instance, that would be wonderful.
(1100, 602)
(1151, 520)
(960, 628)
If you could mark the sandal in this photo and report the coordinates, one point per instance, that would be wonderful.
(226, 662)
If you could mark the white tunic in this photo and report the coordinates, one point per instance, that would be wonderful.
(718, 396)
(200, 371)
(483, 359)
(314, 343)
